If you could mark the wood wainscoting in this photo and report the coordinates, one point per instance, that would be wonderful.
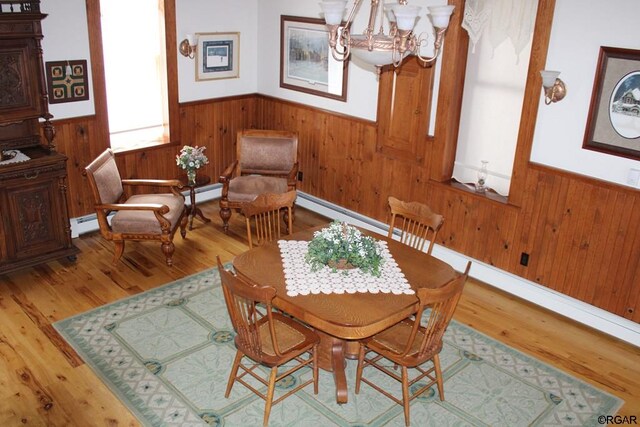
(211, 123)
(582, 235)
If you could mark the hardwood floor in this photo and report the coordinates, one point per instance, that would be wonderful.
(43, 381)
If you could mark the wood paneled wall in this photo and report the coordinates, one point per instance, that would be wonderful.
(213, 124)
(582, 235)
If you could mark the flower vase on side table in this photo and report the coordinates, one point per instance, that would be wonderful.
(192, 182)
(191, 177)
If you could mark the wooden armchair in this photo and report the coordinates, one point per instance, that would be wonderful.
(267, 162)
(265, 212)
(266, 338)
(409, 344)
(139, 217)
(418, 224)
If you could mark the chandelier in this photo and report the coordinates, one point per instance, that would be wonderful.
(381, 49)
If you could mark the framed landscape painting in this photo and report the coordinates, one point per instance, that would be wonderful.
(613, 123)
(306, 64)
(218, 56)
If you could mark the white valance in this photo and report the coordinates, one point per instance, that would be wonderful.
(500, 20)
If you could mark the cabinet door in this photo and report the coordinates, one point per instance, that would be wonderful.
(33, 221)
(20, 92)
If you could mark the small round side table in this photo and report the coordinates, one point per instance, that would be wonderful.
(194, 210)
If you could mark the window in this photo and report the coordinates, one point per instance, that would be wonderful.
(137, 45)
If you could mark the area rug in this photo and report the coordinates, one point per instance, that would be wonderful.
(166, 354)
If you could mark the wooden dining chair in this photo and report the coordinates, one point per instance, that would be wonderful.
(264, 215)
(409, 344)
(418, 224)
(266, 337)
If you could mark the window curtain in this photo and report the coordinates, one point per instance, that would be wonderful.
(500, 20)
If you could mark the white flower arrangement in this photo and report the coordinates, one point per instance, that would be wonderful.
(342, 245)
(191, 158)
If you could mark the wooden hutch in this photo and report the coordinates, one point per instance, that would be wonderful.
(34, 218)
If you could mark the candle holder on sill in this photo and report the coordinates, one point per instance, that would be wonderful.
(481, 183)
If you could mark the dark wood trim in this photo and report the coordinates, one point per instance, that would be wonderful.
(76, 119)
(583, 178)
(172, 70)
(97, 74)
(221, 99)
(449, 108)
(490, 196)
(312, 108)
(531, 101)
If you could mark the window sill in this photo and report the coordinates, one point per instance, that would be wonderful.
(152, 145)
(490, 195)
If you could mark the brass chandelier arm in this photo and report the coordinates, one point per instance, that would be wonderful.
(436, 47)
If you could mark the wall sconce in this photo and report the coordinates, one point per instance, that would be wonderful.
(188, 47)
(554, 88)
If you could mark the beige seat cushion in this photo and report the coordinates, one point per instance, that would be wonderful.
(146, 221)
(287, 337)
(248, 187)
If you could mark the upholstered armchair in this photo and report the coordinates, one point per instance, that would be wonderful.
(266, 162)
(140, 216)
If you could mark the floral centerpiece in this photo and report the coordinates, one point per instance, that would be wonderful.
(343, 246)
(191, 159)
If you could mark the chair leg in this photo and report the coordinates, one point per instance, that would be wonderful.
(167, 249)
(361, 353)
(405, 395)
(315, 369)
(436, 364)
(183, 225)
(225, 214)
(269, 399)
(118, 251)
(234, 372)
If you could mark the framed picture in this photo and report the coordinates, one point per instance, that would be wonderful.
(306, 64)
(218, 56)
(613, 123)
(67, 81)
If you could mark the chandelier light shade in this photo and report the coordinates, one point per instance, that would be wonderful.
(378, 48)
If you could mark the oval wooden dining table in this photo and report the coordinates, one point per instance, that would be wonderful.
(343, 319)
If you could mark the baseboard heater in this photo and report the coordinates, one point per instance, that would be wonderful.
(564, 305)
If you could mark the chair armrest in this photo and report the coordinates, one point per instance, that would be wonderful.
(154, 182)
(156, 207)
(228, 173)
(292, 178)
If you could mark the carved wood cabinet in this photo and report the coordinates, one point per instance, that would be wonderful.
(34, 219)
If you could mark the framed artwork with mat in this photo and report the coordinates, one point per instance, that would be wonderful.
(67, 81)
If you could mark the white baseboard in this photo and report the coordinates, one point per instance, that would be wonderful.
(564, 305)
(89, 223)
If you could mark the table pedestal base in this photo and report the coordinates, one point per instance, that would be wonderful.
(332, 355)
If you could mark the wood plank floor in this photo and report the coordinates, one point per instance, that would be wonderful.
(44, 383)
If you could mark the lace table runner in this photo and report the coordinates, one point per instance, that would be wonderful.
(300, 280)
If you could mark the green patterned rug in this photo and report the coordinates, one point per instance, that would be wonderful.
(166, 354)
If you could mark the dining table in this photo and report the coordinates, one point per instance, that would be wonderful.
(341, 320)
